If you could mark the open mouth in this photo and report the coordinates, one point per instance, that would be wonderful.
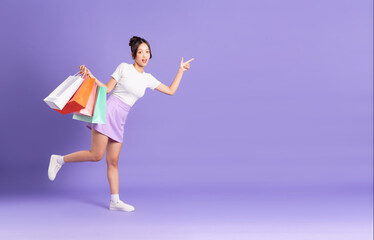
(144, 60)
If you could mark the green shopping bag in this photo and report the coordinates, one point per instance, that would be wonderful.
(99, 113)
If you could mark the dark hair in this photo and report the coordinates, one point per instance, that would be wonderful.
(134, 44)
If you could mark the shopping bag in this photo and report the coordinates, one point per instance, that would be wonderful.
(80, 98)
(63, 93)
(99, 114)
(88, 110)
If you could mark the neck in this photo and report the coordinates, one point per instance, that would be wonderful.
(138, 68)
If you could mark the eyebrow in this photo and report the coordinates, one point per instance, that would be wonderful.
(143, 49)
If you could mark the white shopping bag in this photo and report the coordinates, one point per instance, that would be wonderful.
(62, 94)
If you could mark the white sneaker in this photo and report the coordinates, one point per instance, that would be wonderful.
(54, 167)
(121, 206)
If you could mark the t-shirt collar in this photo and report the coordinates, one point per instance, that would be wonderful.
(136, 70)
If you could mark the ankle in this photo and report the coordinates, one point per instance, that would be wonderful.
(114, 197)
(60, 160)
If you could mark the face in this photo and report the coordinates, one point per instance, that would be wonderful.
(142, 55)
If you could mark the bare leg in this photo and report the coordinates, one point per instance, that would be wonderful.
(112, 156)
(98, 146)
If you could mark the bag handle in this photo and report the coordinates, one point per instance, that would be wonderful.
(84, 75)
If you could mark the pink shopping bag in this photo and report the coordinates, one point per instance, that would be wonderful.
(88, 110)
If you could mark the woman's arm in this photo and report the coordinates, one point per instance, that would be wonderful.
(174, 86)
(109, 86)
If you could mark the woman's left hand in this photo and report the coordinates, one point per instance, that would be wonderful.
(185, 65)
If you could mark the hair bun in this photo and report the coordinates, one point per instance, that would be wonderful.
(133, 40)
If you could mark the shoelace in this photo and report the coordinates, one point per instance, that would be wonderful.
(57, 167)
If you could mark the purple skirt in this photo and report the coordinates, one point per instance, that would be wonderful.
(116, 114)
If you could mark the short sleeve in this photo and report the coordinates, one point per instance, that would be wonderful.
(118, 72)
(153, 82)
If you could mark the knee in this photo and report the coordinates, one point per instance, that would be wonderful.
(97, 157)
(112, 161)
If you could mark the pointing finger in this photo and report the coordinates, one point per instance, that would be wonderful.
(190, 60)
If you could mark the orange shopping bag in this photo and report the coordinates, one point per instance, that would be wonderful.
(88, 110)
(80, 98)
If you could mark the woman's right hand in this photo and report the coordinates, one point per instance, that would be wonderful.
(85, 70)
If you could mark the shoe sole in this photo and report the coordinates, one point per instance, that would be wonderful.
(120, 209)
(50, 162)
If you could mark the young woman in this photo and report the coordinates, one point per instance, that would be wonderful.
(129, 82)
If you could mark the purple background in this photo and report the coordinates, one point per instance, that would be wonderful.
(278, 104)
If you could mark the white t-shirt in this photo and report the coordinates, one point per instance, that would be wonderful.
(131, 84)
